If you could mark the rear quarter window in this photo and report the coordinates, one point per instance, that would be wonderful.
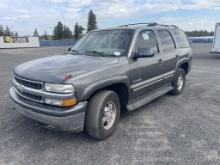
(181, 38)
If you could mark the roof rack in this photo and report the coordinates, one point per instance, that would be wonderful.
(149, 24)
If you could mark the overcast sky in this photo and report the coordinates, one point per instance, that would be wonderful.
(25, 15)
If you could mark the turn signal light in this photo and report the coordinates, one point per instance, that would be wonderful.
(69, 102)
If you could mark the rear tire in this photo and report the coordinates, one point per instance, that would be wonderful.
(178, 82)
(103, 114)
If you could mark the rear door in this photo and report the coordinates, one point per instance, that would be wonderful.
(169, 54)
(216, 44)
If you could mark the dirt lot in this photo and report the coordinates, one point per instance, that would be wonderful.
(183, 130)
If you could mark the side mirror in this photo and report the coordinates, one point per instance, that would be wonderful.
(144, 52)
(69, 49)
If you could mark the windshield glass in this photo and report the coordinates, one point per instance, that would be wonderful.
(104, 43)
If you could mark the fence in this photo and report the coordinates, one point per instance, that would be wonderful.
(69, 42)
(18, 42)
(64, 42)
(208, 39)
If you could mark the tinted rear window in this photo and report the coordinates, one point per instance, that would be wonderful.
(166, 40)
(181, 38)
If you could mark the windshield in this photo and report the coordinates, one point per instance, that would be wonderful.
(104, 43)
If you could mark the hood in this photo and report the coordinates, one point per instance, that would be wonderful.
(54, 69)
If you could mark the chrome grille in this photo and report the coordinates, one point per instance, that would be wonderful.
(22, 85)
(29, 83)
(34, 91)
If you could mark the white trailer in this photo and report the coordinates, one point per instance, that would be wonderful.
(216, 42)
(19, 42)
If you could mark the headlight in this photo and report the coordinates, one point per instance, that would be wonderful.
(59, 88)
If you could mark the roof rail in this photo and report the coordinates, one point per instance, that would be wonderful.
(139, 24)
(149, 24)
(169, 25)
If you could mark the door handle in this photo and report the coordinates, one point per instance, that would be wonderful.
(160, 60)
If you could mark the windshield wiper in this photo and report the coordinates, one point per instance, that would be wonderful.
(72, 51)
(96, 53)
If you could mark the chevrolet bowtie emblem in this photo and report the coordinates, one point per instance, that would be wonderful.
(21, 88)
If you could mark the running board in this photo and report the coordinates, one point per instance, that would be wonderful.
(148, 98)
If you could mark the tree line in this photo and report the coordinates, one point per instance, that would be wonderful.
(62, 31)
(6, 31)
(200, 33)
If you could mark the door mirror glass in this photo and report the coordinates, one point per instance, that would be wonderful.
(144, 52)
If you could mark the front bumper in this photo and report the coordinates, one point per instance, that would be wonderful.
(59, 118)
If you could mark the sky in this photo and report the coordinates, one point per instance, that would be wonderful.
(24, 16)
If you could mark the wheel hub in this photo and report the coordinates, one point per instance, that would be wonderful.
(109, 115)
(180, 82)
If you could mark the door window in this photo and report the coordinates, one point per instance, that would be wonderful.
(147, 39)
(181, 38)
(166, 40)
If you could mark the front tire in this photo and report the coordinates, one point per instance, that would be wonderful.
(103, 114)
(178, 82)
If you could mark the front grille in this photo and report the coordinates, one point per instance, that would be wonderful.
(33, 97)
(28, 83)
(21, 84)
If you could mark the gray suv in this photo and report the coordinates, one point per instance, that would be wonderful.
(104, 73)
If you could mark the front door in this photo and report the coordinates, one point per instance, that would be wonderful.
(145, 73)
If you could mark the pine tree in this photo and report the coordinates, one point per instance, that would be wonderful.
(16, 34)
(7, 31)
(45, 36)
(61, 32)
(1, 30)
(58, 31)
(78, 31)
(92, 23)
(67, 33)
(35, 33)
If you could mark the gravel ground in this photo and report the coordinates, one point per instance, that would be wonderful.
(183, 130)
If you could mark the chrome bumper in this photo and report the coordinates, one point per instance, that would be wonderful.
(71, 119)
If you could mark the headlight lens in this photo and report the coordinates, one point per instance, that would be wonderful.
(59, 88)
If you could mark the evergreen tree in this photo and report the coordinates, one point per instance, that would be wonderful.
(67, 32)
(61, 32)
(45, 36)
(35, 33)
(7, 31)
(58, 31)
(1, 30)
(78, 31)
(92, 23)
(16, 34)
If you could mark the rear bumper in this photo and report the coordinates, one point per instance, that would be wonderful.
(70, 120)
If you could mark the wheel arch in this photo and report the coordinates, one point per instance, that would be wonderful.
(120, 85)
(184, 64)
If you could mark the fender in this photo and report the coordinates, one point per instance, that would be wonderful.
(91, 89)
(183, 60)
